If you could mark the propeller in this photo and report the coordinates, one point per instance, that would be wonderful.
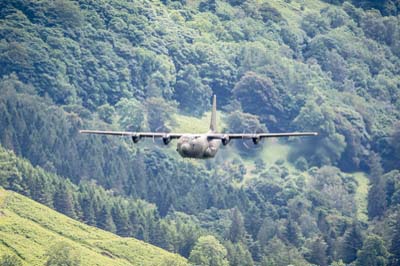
(254, 141)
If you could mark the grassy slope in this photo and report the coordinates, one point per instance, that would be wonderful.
(28, 229)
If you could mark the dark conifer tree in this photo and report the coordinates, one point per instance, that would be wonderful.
(138, 186)
(63, 200)
(373, 252)
(165, 235)
(121, 220)
(89, 216)
(352, 242)
(376, 200)
(105, 220)
(16, 182)
(318, 252)
(42, 189)
(238, 255)
(236, 230)
(395, 243)
(322, 223)
(377, 193)
(292, 232)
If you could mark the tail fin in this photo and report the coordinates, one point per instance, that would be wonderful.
(213, 124)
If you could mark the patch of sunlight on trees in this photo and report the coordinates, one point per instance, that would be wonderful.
(293, 10)
(270, 152)
(361, 195)
(190, 124)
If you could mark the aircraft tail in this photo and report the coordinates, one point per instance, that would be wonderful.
(213, 124)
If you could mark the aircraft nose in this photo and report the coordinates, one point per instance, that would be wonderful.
(185, 147)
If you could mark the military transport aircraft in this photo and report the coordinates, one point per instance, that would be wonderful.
(200, 146)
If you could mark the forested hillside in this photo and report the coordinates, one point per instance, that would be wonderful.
(35, 234)
(283, 65)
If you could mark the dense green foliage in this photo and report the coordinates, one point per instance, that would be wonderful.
(208, 251)
(10, 260)
(274, 65)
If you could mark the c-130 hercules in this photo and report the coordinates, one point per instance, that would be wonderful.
(199, 146)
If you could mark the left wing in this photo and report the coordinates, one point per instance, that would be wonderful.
(136, 136)
(256, 137)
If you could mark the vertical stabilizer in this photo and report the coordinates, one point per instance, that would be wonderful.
(213, 124)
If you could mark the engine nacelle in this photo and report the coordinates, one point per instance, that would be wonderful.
(225, 140)
(135, 138)
(166, 140)
(256, 140)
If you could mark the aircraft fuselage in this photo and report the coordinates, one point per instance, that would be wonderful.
(197, 146)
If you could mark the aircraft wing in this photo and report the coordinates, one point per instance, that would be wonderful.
(224, 137)
(134, 134)
(228, 136)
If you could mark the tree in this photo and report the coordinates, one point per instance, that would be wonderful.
(62, 254)
(278, 254)
(336, 65)
(376, 202)
(159, 114)
(313, 24)
(131, 114)
(301, 164)
(10, 260)
(338, 263)
(395, 243)
(238, 255)
(208, 5)
(121, 220)
(236, 230)
(373, 252)
(106, 113)
(267, 231)
(372, 25)
(194, 96)
(269, 13)
(329, 146)
(8, 171)
(259, 96)
(66, 13)
(86, 202)
(63, 200)
(352, 242)
(292, 232)
(394, 143)
(208, 251)
(105, 220)
(318, 252)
